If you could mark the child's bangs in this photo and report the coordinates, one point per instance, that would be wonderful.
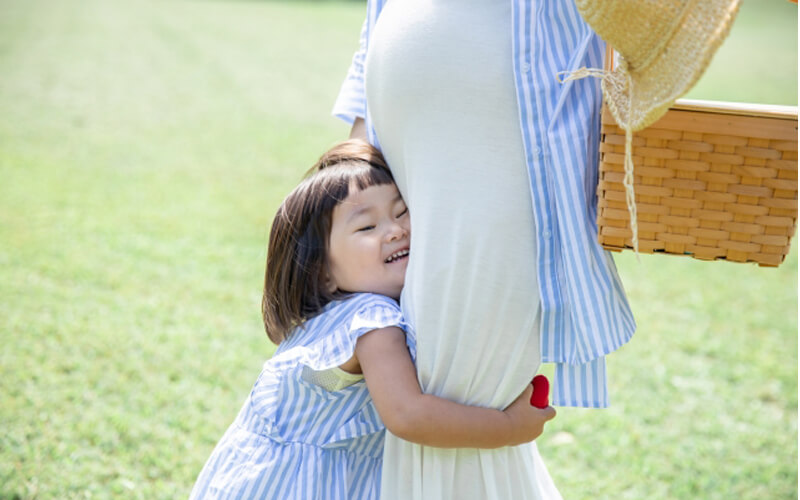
(359, 176)
(365, 176)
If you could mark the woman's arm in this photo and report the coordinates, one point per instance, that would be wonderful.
(359, 129)
(430, 420)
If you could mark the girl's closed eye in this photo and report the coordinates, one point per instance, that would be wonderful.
(403, 212)
(365, 228)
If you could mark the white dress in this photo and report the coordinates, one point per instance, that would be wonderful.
(440, 93)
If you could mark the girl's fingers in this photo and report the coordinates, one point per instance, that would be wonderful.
(549, 412)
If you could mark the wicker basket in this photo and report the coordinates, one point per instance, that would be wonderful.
(712, 181)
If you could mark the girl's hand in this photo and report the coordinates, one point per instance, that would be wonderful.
(526, 421)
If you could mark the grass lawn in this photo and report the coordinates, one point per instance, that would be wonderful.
(143, 150)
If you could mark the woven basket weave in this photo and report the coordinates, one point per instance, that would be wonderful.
(712, 181)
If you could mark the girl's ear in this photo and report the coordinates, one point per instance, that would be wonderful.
(330, 284)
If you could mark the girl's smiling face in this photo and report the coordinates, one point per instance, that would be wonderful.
(369, 242)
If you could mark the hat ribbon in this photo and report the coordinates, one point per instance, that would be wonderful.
(627, 180)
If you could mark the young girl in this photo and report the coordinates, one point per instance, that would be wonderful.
(313, 425)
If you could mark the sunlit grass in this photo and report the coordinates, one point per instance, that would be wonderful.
(757, 63)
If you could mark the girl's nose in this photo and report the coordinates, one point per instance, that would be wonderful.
(396, 231)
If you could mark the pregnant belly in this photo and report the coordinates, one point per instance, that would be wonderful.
(441, 96)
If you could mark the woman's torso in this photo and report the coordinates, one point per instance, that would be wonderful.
(441, 95)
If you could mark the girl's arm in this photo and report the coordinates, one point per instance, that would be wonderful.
(430, 420)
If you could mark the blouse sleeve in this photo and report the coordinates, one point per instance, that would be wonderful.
(360, 314)
(352, 101)
(379, 312)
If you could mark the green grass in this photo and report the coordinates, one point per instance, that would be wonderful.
(143, 150)
(758, 61)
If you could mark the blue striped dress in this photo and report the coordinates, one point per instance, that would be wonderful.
(294, 439)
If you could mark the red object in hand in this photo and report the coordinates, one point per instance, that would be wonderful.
(541, 391)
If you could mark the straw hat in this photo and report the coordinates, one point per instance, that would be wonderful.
(665, 45)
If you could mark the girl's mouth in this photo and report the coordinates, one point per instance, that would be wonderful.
(400, 254)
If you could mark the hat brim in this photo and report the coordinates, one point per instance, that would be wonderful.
(674, 71)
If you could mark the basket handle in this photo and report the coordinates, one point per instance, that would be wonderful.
(608, 61)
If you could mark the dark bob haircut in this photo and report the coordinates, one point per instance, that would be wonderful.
(295, 281)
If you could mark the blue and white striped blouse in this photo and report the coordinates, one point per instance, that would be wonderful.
(585, 314)
(294, 439)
